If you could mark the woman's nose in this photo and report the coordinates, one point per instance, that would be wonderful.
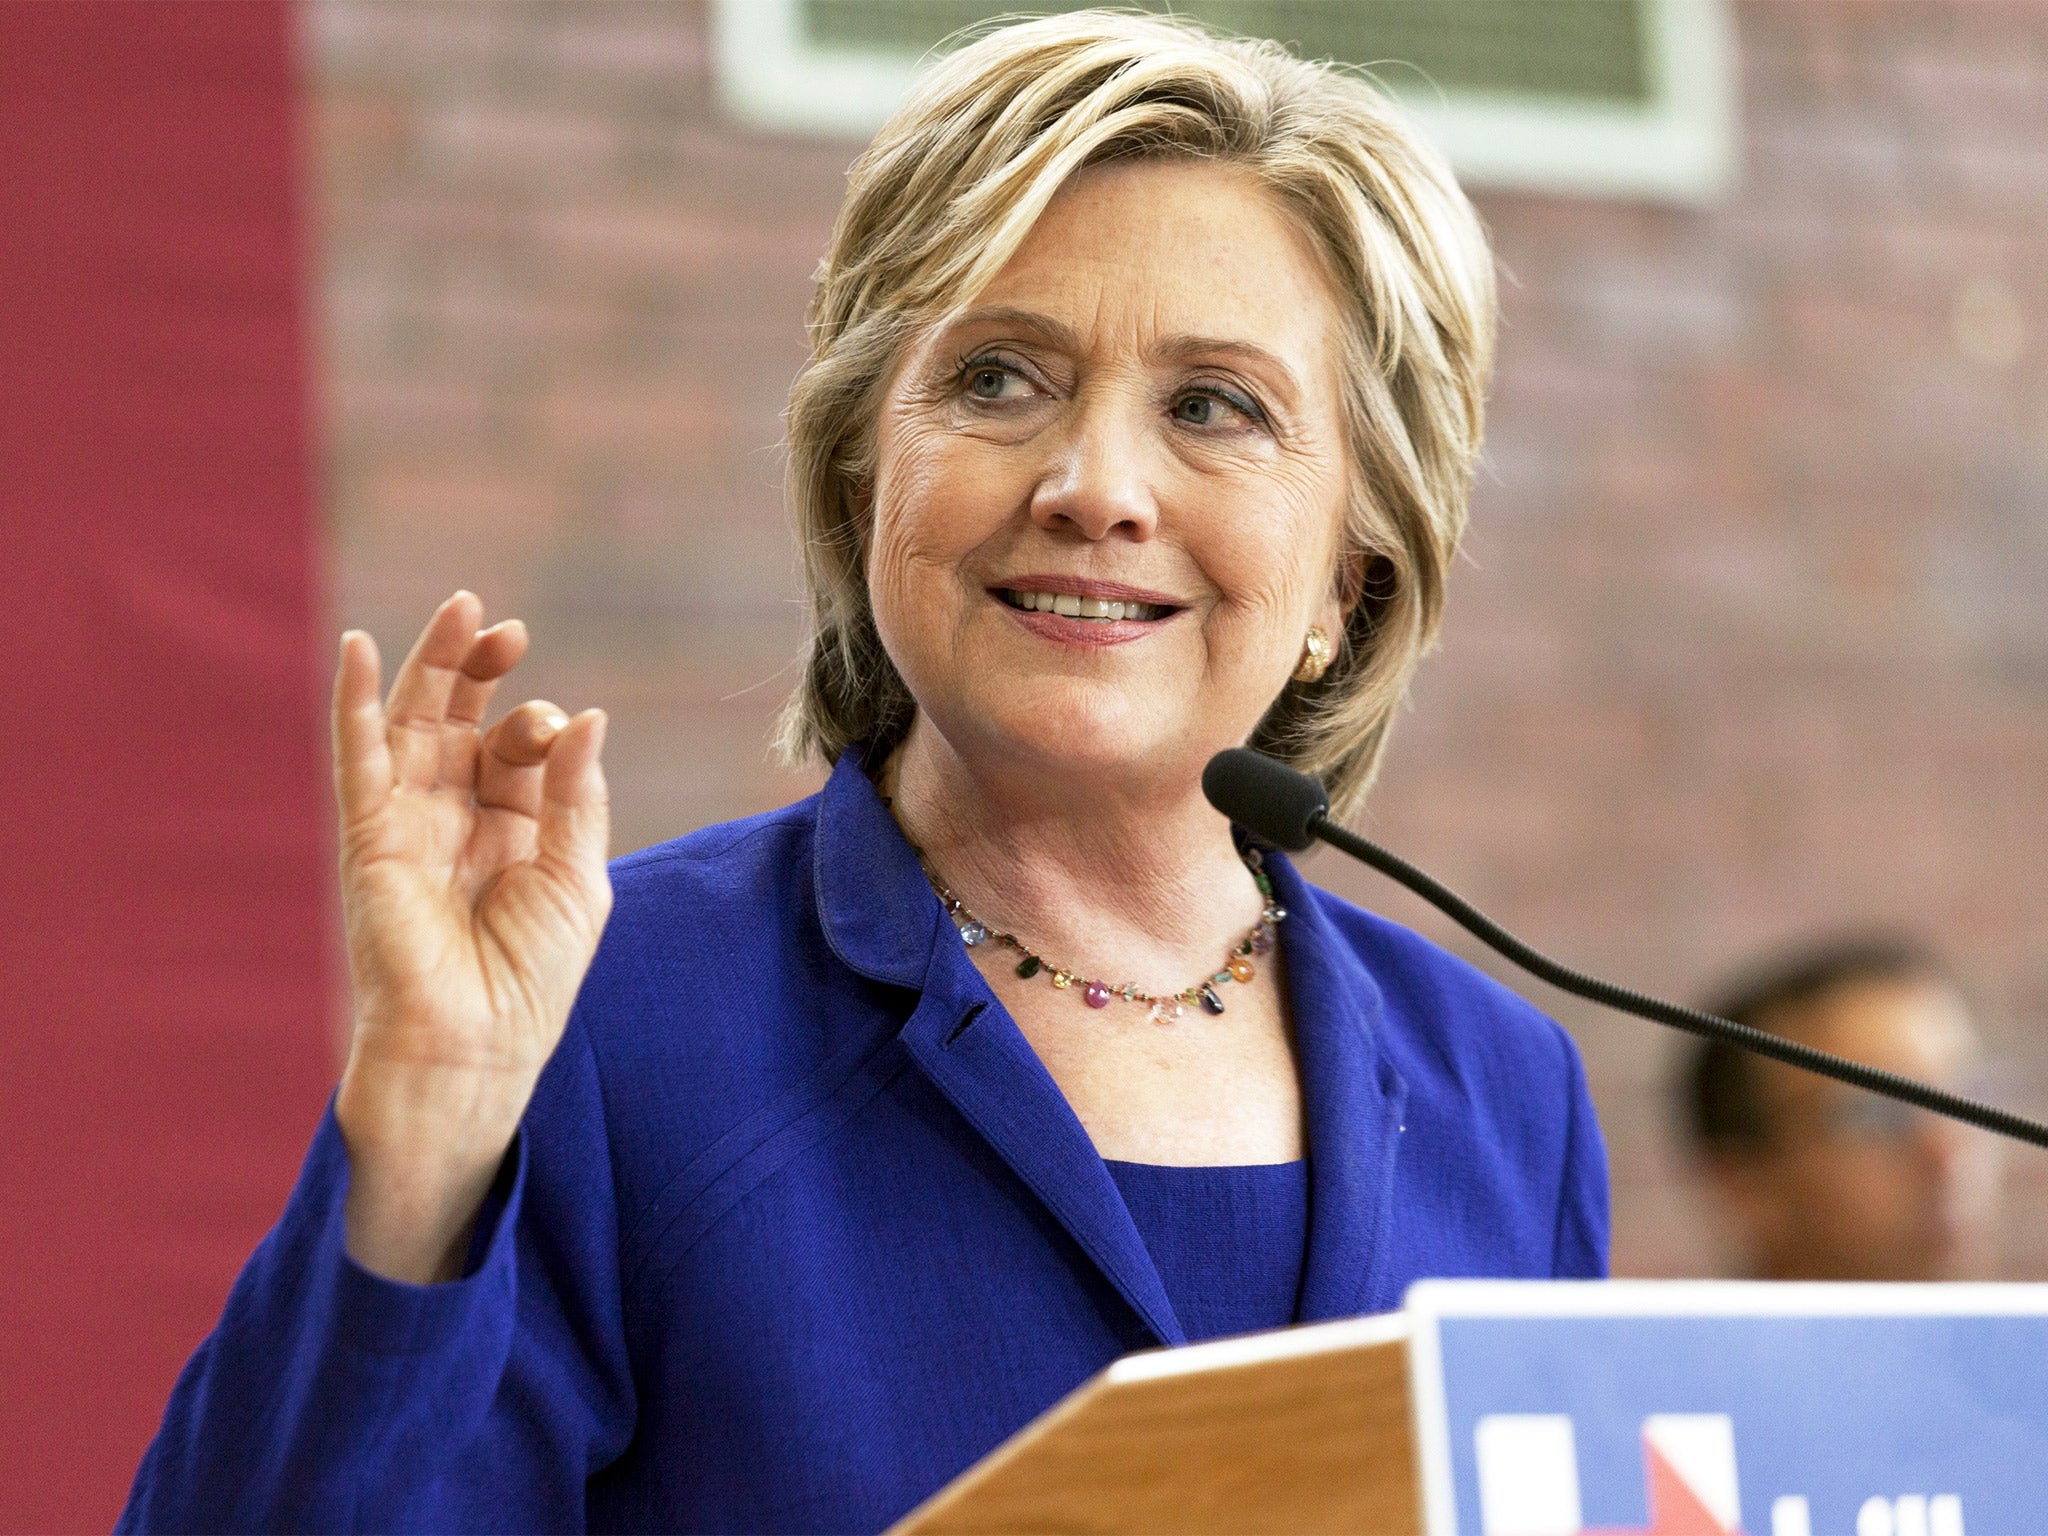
(1097, 484)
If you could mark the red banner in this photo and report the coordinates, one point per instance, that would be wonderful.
(164, 916)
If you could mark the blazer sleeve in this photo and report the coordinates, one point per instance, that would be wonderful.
(1579, 1243)
(330, 1399)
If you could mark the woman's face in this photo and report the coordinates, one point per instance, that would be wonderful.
(1141, 415)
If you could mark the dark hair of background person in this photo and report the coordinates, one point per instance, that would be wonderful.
(1717, 1088)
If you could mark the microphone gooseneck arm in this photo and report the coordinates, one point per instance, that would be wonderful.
(1712, 1026)
(1289, 809)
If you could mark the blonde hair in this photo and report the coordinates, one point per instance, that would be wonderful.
(953, 184)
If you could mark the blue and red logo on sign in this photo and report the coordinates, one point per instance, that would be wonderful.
(1529, 1484)
(1690, 1409)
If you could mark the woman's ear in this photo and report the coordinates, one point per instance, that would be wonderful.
(1333, 614)
(1331, 618)
(1350, 586)
(1367, 579)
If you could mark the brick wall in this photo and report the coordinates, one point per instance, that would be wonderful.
(1752, 640)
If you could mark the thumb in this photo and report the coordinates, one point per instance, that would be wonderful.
(575, 812)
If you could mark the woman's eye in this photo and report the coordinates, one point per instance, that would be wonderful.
(1204, 409)
(987, 383)
(991, 379)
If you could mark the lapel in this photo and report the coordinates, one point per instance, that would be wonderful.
(882, 918)
(1352, 1101)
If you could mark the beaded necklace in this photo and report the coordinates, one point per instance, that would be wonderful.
(1097, 994)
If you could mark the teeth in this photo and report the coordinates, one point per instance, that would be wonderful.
(1071, 607)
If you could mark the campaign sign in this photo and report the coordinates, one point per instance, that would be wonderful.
(1709, 1409)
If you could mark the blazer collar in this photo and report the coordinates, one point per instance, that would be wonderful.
(968, 1045)
(878, 911)
(1352, 1101)
(882, 919)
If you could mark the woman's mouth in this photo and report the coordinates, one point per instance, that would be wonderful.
(1068, 606)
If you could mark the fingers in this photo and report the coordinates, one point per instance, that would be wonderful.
(536, 763)
(362, 757)
(509, 770)
(418, 705)
(493, 653)
(575, 820)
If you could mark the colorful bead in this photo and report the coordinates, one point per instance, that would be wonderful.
(1097, 994)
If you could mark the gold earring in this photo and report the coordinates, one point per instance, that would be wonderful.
(1315, 657)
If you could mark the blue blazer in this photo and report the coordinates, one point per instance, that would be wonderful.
(797, 1226)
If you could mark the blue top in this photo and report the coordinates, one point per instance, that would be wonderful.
(797, 1225)
(1229, 1243)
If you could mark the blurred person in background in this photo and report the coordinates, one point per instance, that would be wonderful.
(1816, 1180)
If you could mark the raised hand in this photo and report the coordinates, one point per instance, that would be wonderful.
(474, 890)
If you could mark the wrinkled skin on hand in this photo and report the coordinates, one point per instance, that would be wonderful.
(474, 890)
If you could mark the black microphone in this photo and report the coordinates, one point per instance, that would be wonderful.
(1291, 810)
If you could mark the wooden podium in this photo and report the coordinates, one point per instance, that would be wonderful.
(1302, 1430)
(1546, 1408)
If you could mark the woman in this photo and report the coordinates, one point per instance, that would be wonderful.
(1145, 389)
